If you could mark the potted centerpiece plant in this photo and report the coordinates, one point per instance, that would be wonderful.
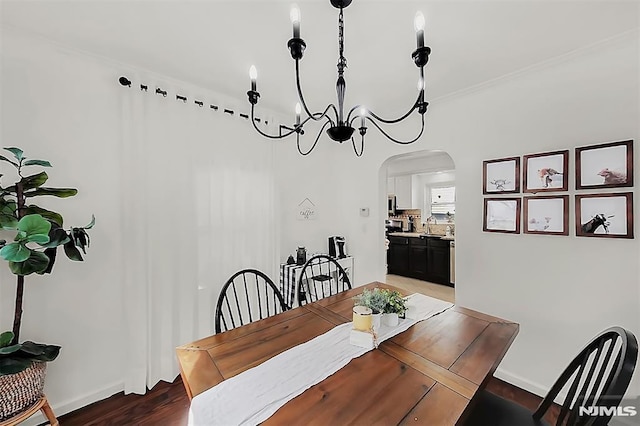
(374, 299)
(36, 234)
(395, 307)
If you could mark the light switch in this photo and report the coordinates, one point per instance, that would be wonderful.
(364, 211)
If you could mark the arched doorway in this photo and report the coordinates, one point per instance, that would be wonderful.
(420, 225)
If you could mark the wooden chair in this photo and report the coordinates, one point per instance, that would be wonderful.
(249, 295)
(42, 404)
(613, 353)
(321, 276)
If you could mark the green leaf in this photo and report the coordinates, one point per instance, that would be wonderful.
(57, 237)
(72, 252)
(80, 238)
(15, 252)
(17, 152)
(3, 158)
(40, 351)
(41, 239)
(13, 365)
(34, 224)
(8, 218)
(51, 253)
(6, 338)
(34, 181)
(37, 263)
(47, 214)
(6, 350)
(42, 163)
(90, 225)
(56, 192)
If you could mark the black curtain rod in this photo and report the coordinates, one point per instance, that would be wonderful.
(124, 81)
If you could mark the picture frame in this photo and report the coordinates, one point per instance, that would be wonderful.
(501, 176)
(608, 215)
(501, 215)
(606, 165)
(546, 172)
(548, 215)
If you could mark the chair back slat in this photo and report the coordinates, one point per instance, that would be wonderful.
(249, 295)
(587, 381)
(593, 393)
(320, 277)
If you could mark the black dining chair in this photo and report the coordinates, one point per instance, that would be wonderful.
(595, 382)
(249, 295)
(321, 276)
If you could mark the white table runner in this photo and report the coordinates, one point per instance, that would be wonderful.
(254, 395)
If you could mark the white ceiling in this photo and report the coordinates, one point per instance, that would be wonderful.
(212, 43)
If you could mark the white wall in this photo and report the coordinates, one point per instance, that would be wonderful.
(561, 290)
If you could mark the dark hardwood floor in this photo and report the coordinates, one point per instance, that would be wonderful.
(167, 405)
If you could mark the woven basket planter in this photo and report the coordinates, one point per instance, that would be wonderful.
(21, 390)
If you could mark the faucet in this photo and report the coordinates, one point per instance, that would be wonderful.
(431, 219)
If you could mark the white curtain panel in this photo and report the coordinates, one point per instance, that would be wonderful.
(198, 204)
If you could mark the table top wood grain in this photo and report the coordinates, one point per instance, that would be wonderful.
(425, 375)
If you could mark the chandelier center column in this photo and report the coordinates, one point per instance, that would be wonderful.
(341, 84)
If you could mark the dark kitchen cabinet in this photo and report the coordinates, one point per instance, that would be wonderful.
(438, 261)
(407, 256)
(398, 256)
(418, 258)
(425, 258)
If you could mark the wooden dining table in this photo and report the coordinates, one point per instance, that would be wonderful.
(426, 375)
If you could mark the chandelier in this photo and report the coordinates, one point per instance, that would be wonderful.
(340, 127)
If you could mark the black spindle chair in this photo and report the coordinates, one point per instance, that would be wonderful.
(249, 295)
(596, 380)
(321, 276)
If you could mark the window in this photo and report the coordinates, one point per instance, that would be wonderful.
(443, 200)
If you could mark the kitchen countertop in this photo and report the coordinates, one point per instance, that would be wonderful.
(420, 234)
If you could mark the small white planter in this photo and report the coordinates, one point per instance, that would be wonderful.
(377, 321)
(390, 320)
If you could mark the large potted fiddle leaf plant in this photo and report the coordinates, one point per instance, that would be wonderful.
(29, 241)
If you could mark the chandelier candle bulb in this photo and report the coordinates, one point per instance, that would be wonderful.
(295, 20)
(298, 111)
(363, 112)
(419, 26)
(253, 75)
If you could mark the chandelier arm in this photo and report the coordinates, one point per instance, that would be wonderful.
(314, 143)
(415, 105)
(295, 129)
(397, 140)
(353, 142)
(266, 135)
(316, 115)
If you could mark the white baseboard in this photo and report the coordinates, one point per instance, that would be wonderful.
(76, 403)
(522, 383)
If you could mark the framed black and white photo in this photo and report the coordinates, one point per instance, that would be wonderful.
(501, 215)
(608, 165)
(605, 215)
(501, 176)
(546, 172)
(546, 215)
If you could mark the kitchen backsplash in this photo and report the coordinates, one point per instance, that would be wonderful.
(416, 214)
